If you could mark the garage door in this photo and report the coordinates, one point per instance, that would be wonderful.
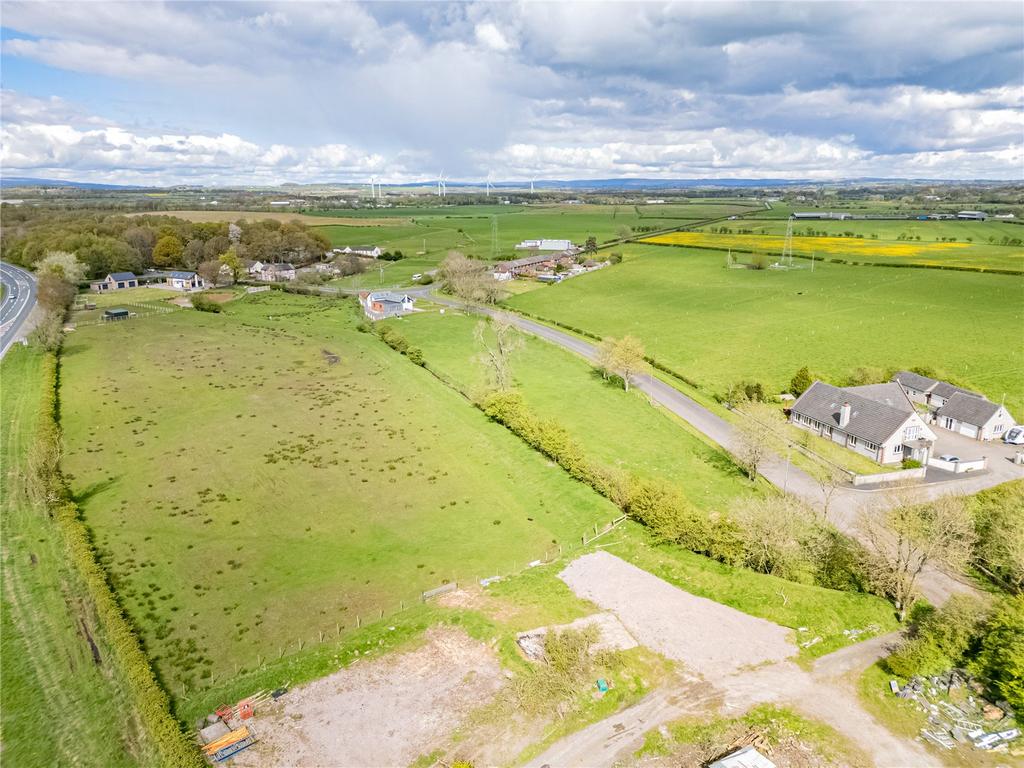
(968, 429)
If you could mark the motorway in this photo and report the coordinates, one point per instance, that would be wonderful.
(19, 299)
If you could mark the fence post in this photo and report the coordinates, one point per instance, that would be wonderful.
(321, 635)
(359, 622)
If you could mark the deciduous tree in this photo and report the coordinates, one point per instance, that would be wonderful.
(498, 347)
(167, 251)
(906, 535)
(624, 357)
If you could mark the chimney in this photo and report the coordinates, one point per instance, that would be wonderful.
(844, 415)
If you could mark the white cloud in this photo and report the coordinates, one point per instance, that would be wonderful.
(653, 88)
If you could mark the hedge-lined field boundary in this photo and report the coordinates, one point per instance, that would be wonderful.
(151, 703)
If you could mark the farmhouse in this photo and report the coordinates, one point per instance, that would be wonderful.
(184, 281)
(115, 281)
(928, 391)
(277, 273)
(877, 420)
(371, 251)
(972, 215)
(545, 245)
(256, 268)
(381, 304)
(530, 265)
(974, 417)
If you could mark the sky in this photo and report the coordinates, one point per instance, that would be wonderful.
(254, 93)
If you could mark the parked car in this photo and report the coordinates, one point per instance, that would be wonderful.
(1014, 436)
(949, 457)
(417, 276)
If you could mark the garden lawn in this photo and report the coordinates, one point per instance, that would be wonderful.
(614, 427)
(718, 326)
(257, 477)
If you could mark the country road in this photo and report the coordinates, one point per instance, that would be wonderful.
(18, 302)
(846, 505)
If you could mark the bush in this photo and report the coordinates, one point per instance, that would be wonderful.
(999, 552)
(615, 258)
(415, 355)
(388, 256)
(911, 464)
(1001, 659)
(801, 381)
(205, 304)
(944, 638)
(426, 280)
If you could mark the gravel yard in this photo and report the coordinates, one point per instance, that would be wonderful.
(379, 713)
(709, 638)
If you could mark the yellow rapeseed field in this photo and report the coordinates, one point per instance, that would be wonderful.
(824, 246)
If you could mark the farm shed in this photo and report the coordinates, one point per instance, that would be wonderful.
(372, 251)
(972, 215)
(116, 313)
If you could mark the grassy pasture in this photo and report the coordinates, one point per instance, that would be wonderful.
(61, 703)
(468, 228)
(248, 492)
(721, 325)
(213, 215)
(614, 427)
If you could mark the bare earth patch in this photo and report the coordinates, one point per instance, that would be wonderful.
(382, 713)
(675, 623)
(744, 661)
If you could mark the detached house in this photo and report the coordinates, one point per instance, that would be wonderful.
(185, 281)
(877, 421)
(956, 409)
(381, 304)
(277, 273)
(115, 281)
(371, 251)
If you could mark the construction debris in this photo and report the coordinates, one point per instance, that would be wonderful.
(968, 720)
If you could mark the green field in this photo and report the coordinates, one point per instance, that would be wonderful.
(614, 427)
(62, 703)
(256, 477)
(718, 325)
(468, 228)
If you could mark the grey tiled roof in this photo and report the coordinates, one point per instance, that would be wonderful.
(889, 393)
(945, 390)
(869, 419)
(968, 408)
(121, 276)
(915, 380)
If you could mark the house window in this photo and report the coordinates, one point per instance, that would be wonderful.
(853, 441)
(947, 422)
(898, 448)
(911, 433)
(997, 429)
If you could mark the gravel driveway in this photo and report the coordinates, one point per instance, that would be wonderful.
(709, 638)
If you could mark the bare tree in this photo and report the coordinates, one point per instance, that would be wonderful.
(755, 436)
(210, 271)
(777, 529)
(624, 357)
(829, 479)
(498, 348)
(468, 279)
(906, 535)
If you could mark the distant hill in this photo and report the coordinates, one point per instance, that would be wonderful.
(27, 181)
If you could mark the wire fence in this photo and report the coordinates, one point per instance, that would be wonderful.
(96, 316)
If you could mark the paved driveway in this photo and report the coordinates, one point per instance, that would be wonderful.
(999, 454)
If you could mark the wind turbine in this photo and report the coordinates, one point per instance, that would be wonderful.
(373, 189)
(442, 189)
(531, 185)
(489, 186)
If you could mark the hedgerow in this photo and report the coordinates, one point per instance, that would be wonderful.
(151, 703)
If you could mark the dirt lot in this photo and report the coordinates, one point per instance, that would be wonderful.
(675, 623)
(721, 644)
(381, 713)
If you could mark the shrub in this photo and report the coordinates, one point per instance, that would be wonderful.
(426, 280)
(205, 304)
(615, 258)
(415, 355)
(911, 464)
(801, 381)
(943, 638)
(388, 256)
(1001, 659)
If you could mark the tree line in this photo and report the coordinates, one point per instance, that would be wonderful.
(106, 242)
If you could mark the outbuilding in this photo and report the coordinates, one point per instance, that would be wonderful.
(972, 215)
(116, 313)
(115, 281)
(974, 417)
(184, 281)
